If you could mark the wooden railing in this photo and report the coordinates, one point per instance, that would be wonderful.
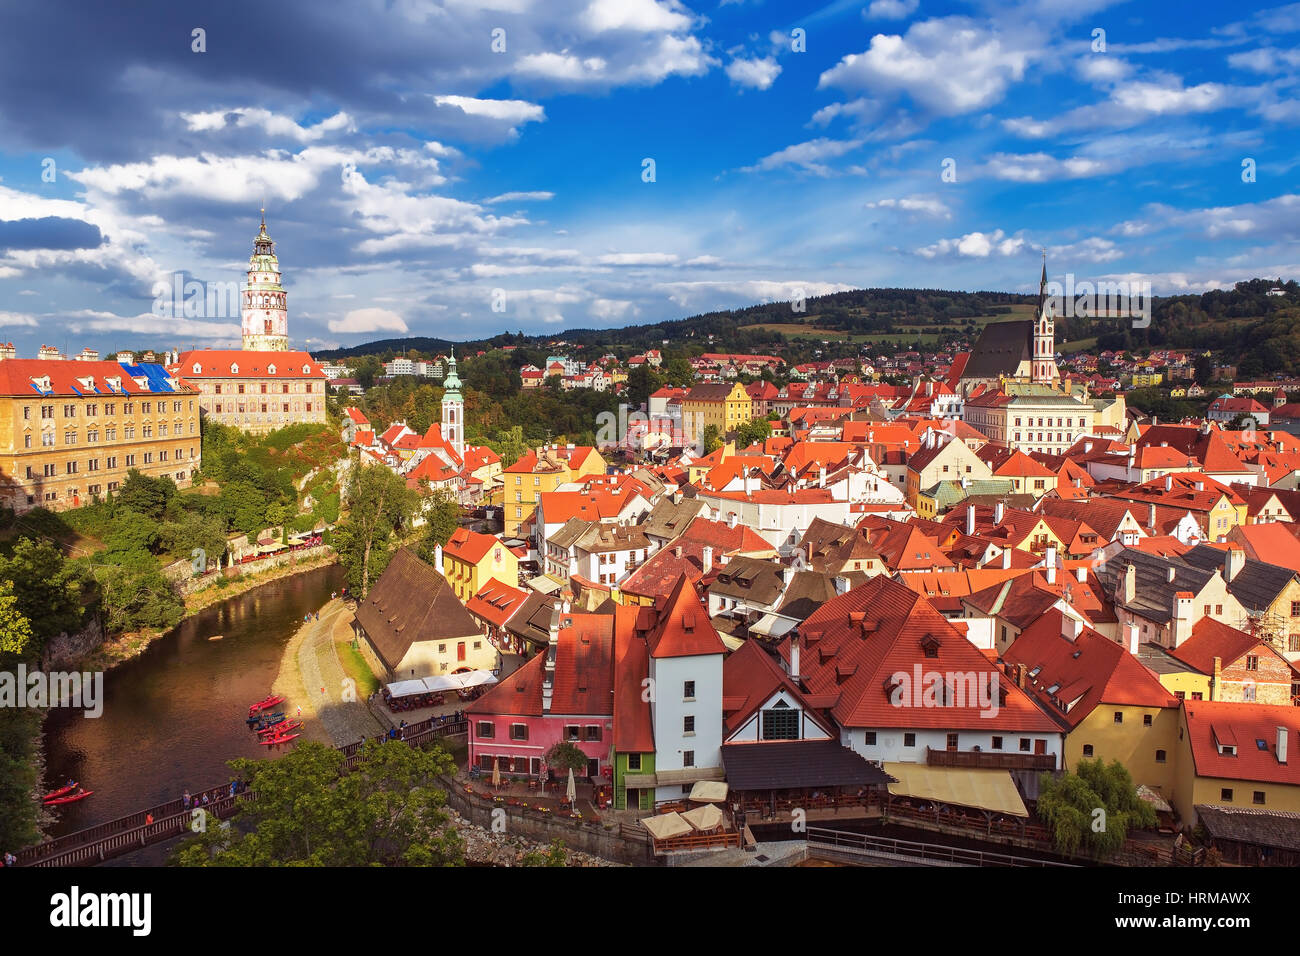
(990, 759)
(697, 841)
(867, 846)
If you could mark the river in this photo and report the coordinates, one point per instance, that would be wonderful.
(174, 715)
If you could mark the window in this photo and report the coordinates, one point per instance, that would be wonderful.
(688, 724)
(1161, 756)
(593, 731)
(1226, 795)
(1087, 750)
(996, 743)
(572, 732)
(869, 738)
(1024, 744)
(1119, 717)
(688, 758)
(780, 723)
(518, 731)
(1146, 720)
(72, 467)
(1252, 662)
(485, 730)
(688, 690)
(1258, 798)
(909, 740)
(951, 742)
(633, 762)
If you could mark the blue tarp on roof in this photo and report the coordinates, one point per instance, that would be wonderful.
(154, 373)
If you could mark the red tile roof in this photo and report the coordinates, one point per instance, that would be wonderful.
(66, 378)
(217, 363)
(1243, 726)
(682, 627)
(471, 546)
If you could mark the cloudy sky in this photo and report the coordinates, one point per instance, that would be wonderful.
(456, 169)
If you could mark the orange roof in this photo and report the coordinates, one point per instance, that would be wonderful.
(220, 363)
(471, 546)
(683, 628)
(1251, 731)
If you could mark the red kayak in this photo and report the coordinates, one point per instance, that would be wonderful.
(265, 703)
(272, 741)
(71, 798)
(276, 730)
(62, 791)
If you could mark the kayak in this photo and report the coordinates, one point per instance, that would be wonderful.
(261, 719)
(272, 741)
(265, 703)
(278, 730)
(72, 798)
(269, 724)
(62, 791)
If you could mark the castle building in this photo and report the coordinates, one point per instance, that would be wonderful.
(453, 409)
(266, 385)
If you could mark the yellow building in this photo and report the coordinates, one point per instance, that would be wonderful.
(942, 461)
(471, 559)
(542, 469)
(1147, 379)
(1237, 755)
(257, 392)
(71, 430)
(726, 407)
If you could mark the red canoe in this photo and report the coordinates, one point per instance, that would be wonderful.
(272, 741)
(72, 798)
(265, 703)
(62, 791)
(276, 730)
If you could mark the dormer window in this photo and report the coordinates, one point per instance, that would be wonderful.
(234, 368)
(196, 368)
(306, 370)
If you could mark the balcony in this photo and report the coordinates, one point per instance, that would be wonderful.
(989, 759)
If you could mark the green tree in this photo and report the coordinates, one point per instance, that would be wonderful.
(712, 439)
(17, 643)
(1092, 808)
(758, 430)
(554, 855)
(386, 811)
(1204, 370)
(378, 504)
(137, 595)
(442, 512)
(145, 495)
(564, 756)
(47, 588)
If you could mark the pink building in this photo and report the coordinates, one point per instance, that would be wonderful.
(564, 694)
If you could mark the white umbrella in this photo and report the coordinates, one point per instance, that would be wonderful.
(496, 772)
(571, 791)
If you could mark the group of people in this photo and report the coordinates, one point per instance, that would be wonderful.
(206, 797)
(412, 702)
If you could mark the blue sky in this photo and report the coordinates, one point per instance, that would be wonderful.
(410, 170)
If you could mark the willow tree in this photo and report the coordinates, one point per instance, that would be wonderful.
(1092, 808)
(378, 505)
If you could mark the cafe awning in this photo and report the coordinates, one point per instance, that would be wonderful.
(405, 688)
(708, 791)
(705, 818)
(666, 826)
(981, 789)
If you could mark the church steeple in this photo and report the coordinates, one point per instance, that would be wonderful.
(266, 315)
(1044, 369)
(453, 409)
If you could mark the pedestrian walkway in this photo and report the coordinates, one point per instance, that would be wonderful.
(323, 678)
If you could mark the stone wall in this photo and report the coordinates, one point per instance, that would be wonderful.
(190, 585)
(64, 651)
(587, 837)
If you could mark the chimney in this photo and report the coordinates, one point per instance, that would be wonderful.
(970, 519)
(1151, 516)
(437, 558)
(794, 657)
(998, 510)
(1051, 564)
(1081, 572)
(1217, 682)
(821, 477)
(1233, 562)
(1281, 744)
(1071, 628)
(1169, 482)
(1006, 558)
(1087, 447)
(731, 519)
(553, 643)
(1170, 572)
(707, 558)
(1130, 583)
(1182, 622)
(1132, 629)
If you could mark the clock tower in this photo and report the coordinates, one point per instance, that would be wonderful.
(266, 316)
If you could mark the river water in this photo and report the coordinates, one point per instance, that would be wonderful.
(174, 715)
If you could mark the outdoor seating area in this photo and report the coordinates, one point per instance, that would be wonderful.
(544, 796)
(702, 821)
(419, 693)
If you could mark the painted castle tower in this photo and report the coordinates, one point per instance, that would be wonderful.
(453, 409)
(266, 315)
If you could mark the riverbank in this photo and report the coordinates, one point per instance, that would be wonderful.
(118, 649)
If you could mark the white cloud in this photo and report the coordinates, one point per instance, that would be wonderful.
(511, 112)
(637, 259)
(146, 323)
(891, 9)
(537, 196)
(641, 16)
(368, 320)
(12, 319)
(807, 156)
(949, 65)
(975, 245)
(921, 205)
(1040, 167)
(273, 124)
(756, 74)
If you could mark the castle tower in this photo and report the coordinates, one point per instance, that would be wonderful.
(453, 409)
(266, 316)
(1044, 369)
